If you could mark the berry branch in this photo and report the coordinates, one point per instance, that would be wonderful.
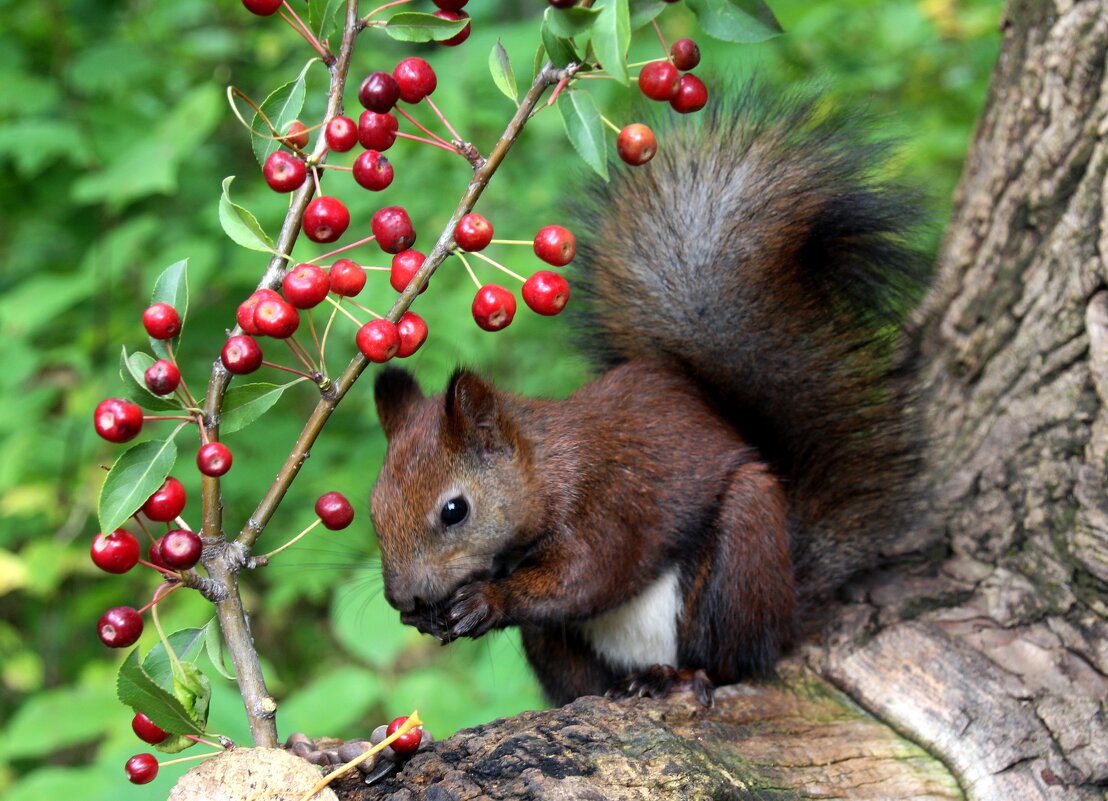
(222, 559)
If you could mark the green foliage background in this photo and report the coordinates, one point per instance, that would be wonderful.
(117, 136)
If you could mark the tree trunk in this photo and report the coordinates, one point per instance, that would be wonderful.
(990, 660)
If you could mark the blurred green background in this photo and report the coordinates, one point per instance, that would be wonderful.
(117, 135)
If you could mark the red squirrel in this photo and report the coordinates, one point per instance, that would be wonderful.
(748, 447)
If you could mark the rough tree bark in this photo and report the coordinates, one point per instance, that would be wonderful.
(982, 673)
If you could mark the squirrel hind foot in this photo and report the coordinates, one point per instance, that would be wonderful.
(659, 681)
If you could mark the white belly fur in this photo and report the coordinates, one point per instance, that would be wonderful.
(641, 632)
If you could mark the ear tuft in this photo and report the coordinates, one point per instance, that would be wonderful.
(396, 393)
(475, 416)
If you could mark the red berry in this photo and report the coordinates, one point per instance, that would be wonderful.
(154, 556)
(213, 459)
(263, 8)
(142, 768)
(162, 377)
(473, 232)
(341, 134)
(296, 135)
(636, 144)
(379, 92)
(451, 5)
(408, 742)
(276, 318)
(325, 219)
(117, 552)
(555, 245)
(493, 307)
(305, 286)
(404, 267)
(415, 78)
(284, 172)
(413, 333)
(241, 354)
(148, 731)
(373, 171)
(167, 502)
(347, 278)
(161, 321)
(377, 131)
(692, 95)
(334, 510)
(180, 548)
(393, 228)
(461, 35)
(658, 80)
(117, 420)
(686, 54)
(119, 627)
(546, 292)
(378, 340)
(245, 313)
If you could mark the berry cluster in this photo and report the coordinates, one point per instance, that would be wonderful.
(666, 80)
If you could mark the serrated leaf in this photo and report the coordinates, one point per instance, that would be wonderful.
(569, 22)
(321, 16)
(283, 105)
(240, 224)
(611, 36)
(560, 50)
(244, 404)
(140, 692)
(171, 287)
(186, 644)
(743, 21)
(414, 26)
(132, 370)
(642, 11)
(502, 73)
(213, 645)
(585, 129)
(134, 477)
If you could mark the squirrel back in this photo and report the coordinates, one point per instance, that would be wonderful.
(766, 252)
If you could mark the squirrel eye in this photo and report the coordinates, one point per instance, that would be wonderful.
(454, 511)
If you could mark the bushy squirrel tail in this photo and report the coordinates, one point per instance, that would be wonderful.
(767, 250)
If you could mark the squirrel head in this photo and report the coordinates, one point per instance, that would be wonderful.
(453, 502)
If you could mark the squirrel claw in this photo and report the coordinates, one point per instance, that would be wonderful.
(658, 681)
(470, 613)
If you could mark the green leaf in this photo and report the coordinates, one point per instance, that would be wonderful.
(134, 477)
(502, 73)
(412, 26)
(321, 16)
(213, 645)
(560, 50)
(570, 22)
(540, 59)
(172, 287)
(283, 105)
(585, 129)
(132, 369)
(642, 11)
(244, 404)
(611, 36)
(87, 712)
(743, 21)
(140, 692)
(186, 644)
(240, 224)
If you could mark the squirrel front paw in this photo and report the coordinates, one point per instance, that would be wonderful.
(472, 611)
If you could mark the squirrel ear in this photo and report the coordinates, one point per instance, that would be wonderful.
(396, 392)
(473, 414)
